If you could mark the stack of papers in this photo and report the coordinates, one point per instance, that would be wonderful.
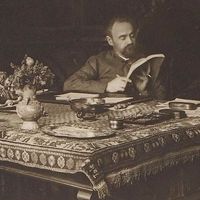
(113, 100)
(108, 100)
(74, 95)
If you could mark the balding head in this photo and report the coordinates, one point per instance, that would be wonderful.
(120, 35)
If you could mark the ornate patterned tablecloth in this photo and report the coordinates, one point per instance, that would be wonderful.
(119, 159)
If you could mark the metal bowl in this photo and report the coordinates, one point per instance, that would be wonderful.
(85, 106)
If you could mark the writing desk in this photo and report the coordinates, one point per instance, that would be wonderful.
(96, 166)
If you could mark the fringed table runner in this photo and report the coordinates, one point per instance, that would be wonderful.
(109, 162)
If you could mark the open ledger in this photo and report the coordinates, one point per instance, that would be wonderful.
(141, 61)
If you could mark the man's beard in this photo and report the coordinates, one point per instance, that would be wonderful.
(129, 51)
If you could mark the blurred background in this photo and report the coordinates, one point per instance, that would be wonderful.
(63, 34)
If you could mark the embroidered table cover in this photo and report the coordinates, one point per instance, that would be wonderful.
(108, 162)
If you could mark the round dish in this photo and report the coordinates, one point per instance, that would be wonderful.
(75, 132)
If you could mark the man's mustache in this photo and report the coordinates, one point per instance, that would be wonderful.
(129, 50)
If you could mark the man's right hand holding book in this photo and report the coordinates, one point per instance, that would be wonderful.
(118, 84)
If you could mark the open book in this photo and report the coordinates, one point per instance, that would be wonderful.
(157, 58)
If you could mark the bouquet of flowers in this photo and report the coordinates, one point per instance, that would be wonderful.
(31, 73)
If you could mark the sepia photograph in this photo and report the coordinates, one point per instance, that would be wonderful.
(100, 100)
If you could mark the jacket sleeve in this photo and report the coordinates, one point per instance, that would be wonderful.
(159, 91)
(86, 79)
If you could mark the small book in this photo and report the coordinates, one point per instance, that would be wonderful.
(154, 57)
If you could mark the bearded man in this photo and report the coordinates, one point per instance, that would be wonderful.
(106, 72)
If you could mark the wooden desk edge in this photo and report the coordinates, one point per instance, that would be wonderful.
(85, 191)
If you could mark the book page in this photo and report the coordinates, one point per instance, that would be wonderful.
(141, 61)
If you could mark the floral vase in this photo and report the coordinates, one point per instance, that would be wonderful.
(29, 109)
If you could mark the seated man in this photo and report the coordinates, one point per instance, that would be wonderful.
(106, 72)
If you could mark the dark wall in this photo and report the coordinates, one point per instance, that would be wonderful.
(64, 33)
(175, 29)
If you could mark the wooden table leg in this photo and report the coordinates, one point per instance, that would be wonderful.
(84, 195)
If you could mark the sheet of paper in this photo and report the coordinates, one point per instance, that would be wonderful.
(110, 100)
(166, 104)
(193, 113)
(74, 95)
(186, 101)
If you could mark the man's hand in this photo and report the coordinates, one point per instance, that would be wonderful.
(118, 84)
(142, 80)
